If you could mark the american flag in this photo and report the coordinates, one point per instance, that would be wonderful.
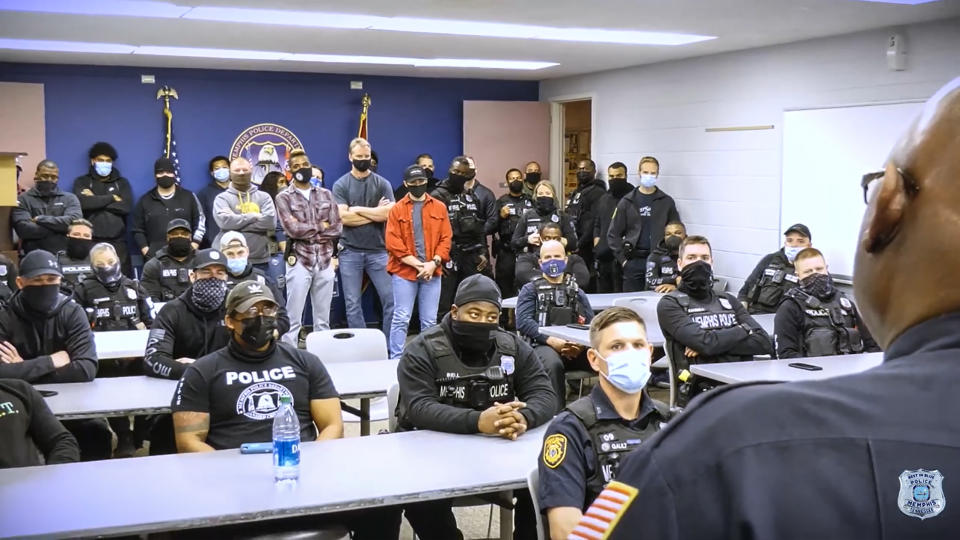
(169, 149)
(362, 132)
(604, 513)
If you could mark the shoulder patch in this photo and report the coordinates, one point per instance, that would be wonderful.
(554, 450)
(725, 303)
(845, 302)
(603, 515)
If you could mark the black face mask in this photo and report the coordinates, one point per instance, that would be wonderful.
(78, 248)
(455, 182)
(179, 246)
(585, 177)
(516, 187)
(619, 187)
(362, 165)
(208, 293)
(241, 181)
(303, 175)
(165, 181)
(259, 331)
(108, 275)
(545, 205)
(672, 243)
(473, 337)
(46, 187)
(41, 299)
(532, 178)
(428, 171)
(416, 191)
(819, 285)
(696, 279)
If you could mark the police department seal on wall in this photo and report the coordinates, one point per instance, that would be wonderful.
(921, 493)
(266, 146)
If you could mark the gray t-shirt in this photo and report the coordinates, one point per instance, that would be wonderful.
(353, 191)
(418, 230)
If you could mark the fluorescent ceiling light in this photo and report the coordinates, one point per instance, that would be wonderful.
(237, 54)
(316, 19)
(65, 46)
(903, 2)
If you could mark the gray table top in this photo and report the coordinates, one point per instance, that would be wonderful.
(123, 496)
(120, 396)
(598, 301)
(120, 344)
(779, 370)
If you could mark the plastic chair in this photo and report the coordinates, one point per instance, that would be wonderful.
(533, 482)
(352, 345)
(393, 397)
(719, 285)
(645, 306)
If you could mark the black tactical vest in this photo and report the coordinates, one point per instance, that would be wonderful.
(5, 291)
(535, 221)
(174, 277)
(466, 220)
(777, 278)
(469, 387)
(74, 272)
(507, 225)
(662, 270)
(557, 303)
(112, 310)
(829, 327)
(611, 441)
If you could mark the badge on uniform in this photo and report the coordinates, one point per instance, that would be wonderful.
(507, 364)
(921, 493)
(845, 302)
(291, 260)
(554, 450)
(3, 271)
(605, 512)
(725, 303)
(555, 218)
(467, 197)
(131, 294)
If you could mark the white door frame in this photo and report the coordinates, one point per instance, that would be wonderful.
(557, 165)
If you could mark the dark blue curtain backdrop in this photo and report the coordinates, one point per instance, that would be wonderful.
(85, 104)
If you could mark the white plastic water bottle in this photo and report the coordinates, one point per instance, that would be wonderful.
(286, 443)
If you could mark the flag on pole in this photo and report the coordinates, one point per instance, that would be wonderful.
(169, 149)
(362, 132)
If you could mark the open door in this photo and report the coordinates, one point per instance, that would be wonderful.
(502, 135)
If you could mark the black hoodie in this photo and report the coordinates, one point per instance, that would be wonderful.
(582, 210)
(36, 337)
(108, 215)
(41, 220)
(182, 330)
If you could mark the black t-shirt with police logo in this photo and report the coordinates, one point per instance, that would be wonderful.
(241, 391)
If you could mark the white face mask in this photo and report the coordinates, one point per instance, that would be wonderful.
(648, 180)
(628, 370)
(791, 252)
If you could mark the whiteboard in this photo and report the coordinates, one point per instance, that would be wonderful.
(825, 153)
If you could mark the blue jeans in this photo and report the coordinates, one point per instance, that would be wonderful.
(353, 264)
(427, 295)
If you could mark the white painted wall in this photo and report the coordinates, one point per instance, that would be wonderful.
(727, 185)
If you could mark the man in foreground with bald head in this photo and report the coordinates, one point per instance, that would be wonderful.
(554, 298)
(871, 455)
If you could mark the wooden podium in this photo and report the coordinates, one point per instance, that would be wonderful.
(8, 199)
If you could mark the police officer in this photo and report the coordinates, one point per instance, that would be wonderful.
(167, 275)
(585, 443)
(509, 209)
(8, 279)
(662, 270)
(609, 271)
(815, 319)
(554, 298)
(74, 261)
(526, 237)
(701, 326)
(531, 177)
(469, 248)
(115, 302)
(774, 275)
(528, 264)
(582, 210)
(233, 245)
(840, 457)
(466, 375)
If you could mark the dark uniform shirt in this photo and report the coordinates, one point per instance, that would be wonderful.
(241, 391)
(182, 330)
(31, 434)
(8, 279)
(531, 221)
(569, 459)
(764, 288)
(639, 220)
(582, 210)
(75, 271)
(796, 327)
(165, 278)
(505, 226)
(662, 267)
(125, 307)
(538, 304)
(870, 455)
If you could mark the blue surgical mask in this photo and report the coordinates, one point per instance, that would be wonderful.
(235, 266)
(221, 174)
(628, 370)
(554, 267)
(648, 180)
(791, 252)
(103, 168)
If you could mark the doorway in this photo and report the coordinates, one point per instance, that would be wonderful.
(577, 140)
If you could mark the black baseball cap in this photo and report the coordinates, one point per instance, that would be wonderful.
(178, 223)
(208, 257)
(798, 228)
(247, 293)
(477, 288)
(413, 172)
(39, 262)
(163, 165)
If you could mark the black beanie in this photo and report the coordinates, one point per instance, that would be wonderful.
(103, 149)
(477, 288)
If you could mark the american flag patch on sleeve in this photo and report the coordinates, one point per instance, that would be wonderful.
(604, 513)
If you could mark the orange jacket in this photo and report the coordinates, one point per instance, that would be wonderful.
(437, 235)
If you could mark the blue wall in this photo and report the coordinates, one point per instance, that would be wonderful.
(409, 116)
